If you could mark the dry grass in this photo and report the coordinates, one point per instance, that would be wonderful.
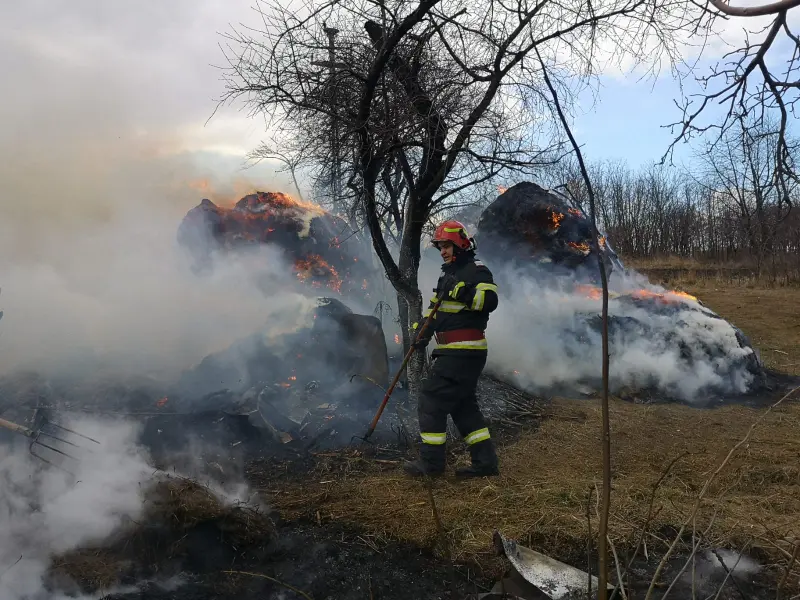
(676, 270)
(547, 474)
(541, 497)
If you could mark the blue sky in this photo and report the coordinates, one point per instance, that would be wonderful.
(624, 120)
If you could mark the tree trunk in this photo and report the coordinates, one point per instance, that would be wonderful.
(403, 321)
(417, 363)
(408, 264)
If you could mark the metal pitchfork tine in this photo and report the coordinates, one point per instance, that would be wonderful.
(54, 433)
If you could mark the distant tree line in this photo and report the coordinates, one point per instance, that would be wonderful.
(726, 208)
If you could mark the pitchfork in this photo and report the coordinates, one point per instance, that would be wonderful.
(52, 436)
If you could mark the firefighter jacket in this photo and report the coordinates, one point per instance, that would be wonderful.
(468, 294)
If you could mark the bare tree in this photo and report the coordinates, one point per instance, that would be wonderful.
(741, 172)
(757, 84)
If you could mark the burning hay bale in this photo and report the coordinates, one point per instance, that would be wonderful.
(533, 229)
(663, 344)
(319, 246)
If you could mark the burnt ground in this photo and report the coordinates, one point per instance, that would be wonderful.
(191, 547)
(323, 562)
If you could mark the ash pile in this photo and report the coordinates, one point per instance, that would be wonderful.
(664, 344)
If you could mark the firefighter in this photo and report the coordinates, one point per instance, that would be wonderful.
(468, 294)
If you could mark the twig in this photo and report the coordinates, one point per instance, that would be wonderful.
(19, 559)
(589, 543)
(694, 560)
(786, 573)
(656, 485)
(272, 579)
(729, 572)
(695, 546)
(602, 575)
(440, 530)
(706, 485)
(620, 585)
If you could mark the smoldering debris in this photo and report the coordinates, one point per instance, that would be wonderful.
(204, 544)
(184, 527)
(663, 343)
(311, 377)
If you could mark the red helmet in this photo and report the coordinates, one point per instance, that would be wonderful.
(454, 232)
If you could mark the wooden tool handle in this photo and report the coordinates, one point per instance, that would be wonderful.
(16, 428)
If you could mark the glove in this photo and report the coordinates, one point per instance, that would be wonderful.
(460, 291)
(421, 344)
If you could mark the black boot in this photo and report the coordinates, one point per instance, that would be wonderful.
(484, 461)
(431, 461)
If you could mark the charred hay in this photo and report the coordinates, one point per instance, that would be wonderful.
(185, 527)
(191, 546)
(539, 232)
(320, 247)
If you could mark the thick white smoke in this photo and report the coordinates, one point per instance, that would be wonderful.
(46, 511)
(124, 293)
(542, 337)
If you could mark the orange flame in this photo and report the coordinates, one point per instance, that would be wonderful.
(582, 247)
(501, 189)
(668, 297)
(590, 291)
(313, 268)
(575, 212)
(555, 220)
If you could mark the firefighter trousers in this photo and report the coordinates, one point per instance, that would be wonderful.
(450, 388)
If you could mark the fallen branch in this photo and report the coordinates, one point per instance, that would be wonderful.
(786, 573)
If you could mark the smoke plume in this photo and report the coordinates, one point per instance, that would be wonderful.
(546, 335)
